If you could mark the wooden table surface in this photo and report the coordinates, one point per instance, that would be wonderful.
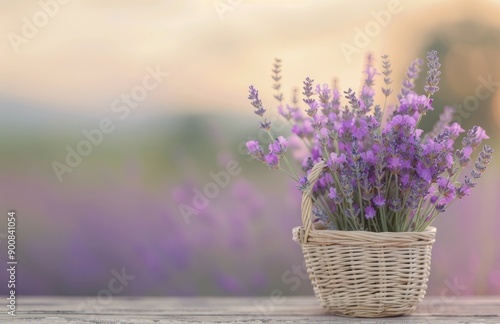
(233, 310)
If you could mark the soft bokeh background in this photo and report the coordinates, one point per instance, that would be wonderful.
(119, 208)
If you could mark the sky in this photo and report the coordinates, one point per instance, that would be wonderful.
(90, 52)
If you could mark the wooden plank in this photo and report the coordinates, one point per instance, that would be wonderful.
(234, 310)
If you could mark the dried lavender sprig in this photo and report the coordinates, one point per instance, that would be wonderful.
(482, 162)
(412, 74)
(367, 91)
(291, 112)
(308, 86)
(432, 79)
(325, 94)
(276, 76)
(295, 101)
(480, 166)
(386, 65)
(378, 113)
(353, 101)
(311, 102)
(336, 101)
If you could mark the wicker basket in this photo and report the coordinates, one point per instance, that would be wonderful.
(364, 274)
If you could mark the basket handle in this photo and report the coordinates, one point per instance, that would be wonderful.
(307, 201)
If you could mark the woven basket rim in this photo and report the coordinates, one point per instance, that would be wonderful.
(364, 237)
(429, 229)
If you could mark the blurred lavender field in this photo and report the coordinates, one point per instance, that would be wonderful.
(118, 210)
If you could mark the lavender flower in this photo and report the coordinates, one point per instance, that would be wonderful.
(303, 183)
(370, 212)
(477, 135)
(322, 220)
(265, 125)
(255, 150)
(414, 105)
(335, 162)
(272, 160)
(454, 130)
(278, 147)
(463, 190)
(441, 207)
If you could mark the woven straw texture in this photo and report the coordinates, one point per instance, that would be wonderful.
(364, 274)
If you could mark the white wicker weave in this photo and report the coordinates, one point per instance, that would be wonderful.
(364, 274)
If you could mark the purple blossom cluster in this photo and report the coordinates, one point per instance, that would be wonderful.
(383, 173)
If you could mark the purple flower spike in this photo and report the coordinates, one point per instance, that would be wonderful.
(411, 75)
(432, 80)
(413, 104)
(454, 130)
(256, 102)
(265, 125)
(332, 193)
(367, 92)
(463, 190)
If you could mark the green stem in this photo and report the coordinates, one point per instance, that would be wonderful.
(383, 112)
(384, 219)
(388, 187)
(297, 178)
(360, 200)
(421, 115)
(336, 144)
(375, 225)
(288, 173)
(423, 219)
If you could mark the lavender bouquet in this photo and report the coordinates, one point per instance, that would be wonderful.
(384, 174)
